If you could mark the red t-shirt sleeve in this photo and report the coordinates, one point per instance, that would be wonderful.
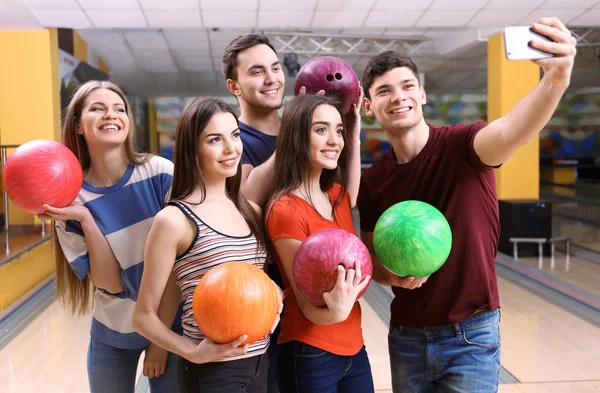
(465, 135)
(286, 220)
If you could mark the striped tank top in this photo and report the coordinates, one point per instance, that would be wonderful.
(211, 248)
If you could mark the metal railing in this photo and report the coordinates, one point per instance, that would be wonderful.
(4, 153)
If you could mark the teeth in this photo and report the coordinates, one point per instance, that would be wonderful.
(227, 162)
(110, 127)
(269, 92)
(330, 153)
(401, 110)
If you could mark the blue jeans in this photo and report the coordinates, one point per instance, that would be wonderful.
(307, 369)
(113, 370)
(459, 358)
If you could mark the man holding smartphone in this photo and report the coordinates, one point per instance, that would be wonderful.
(444, 329)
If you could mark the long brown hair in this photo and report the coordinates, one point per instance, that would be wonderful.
(292, 160)
(187, 175)
(72, 292)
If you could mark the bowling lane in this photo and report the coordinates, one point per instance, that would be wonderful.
(49, 355)
(543, 346)
(574, 217)
(552, 387)
(542, 342)
(582, 234)
(51, 352)
(583, 194)
(375, 333)
(576, 271)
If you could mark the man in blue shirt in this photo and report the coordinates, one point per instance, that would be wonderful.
(254, 76)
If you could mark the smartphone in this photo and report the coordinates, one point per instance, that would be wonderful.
(516, 43)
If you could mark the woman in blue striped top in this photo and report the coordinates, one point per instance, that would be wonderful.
(207, 223)
(100, 239)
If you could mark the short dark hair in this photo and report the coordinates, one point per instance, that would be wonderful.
(382, 63)
(237, 45)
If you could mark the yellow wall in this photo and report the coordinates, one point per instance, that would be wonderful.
(508, 82)
(80, 49)
(24, 273)
(29, 95)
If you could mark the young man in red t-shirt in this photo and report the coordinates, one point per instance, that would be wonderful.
(444, 329)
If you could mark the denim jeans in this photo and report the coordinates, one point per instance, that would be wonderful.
(113, 370)
(247, 375)
(307, 369)
(459, 358)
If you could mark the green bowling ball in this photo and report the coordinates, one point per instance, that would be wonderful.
(412, 238)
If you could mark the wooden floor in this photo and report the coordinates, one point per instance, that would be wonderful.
(577, 271)
(544, 343)
(546, 348)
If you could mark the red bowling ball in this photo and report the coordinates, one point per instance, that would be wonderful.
(333, 75)
(316, 261)
(42, 172)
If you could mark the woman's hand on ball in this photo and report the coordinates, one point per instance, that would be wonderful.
(340, 300)
(303, 91)
(209, 351)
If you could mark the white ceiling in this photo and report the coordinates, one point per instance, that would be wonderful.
(164, 47)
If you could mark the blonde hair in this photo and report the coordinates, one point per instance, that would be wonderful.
(73, 293)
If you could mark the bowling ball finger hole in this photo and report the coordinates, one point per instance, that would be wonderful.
(338, 76)
(329, 77)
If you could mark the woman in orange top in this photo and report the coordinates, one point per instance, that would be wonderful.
(321, 348)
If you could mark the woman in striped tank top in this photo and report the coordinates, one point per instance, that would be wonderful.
(207, 223)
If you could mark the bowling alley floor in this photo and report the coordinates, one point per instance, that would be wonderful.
(545, 348)
(550, 339)
(576, 214)
(576, 271)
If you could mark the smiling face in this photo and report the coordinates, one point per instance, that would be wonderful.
(396, 100)
(326, 138)
(220, 147)
(260, 80)
(104, 121)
